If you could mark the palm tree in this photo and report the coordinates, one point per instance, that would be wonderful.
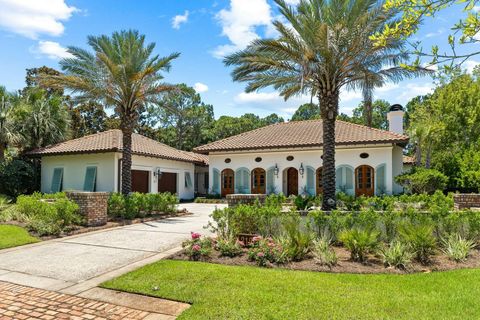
(8, 134)
(121, 73)
(41, 118)
(324, 46)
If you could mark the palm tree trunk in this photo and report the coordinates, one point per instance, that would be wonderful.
(2, 152)
(127, 130)
(368, 113)
(328, 109)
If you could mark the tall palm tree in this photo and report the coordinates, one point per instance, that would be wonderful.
(41, 118)
(323, 46)
(8, 134)
(122, 73)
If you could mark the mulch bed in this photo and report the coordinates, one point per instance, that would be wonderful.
(373, 265)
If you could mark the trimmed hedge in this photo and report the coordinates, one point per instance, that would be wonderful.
(139, 205)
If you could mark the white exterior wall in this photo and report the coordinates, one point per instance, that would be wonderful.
(350, 156)
(397, 167)
(74, 168)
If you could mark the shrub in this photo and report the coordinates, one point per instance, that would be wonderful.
(140, 204)
(396, 255)
(359, 242)
(323, 254)
(266, 250)
(296, 240)
(197, 247)
(48, 218)
(420, 239)
(229, 247)
(457, 248)
(422, 180)
(17, 177)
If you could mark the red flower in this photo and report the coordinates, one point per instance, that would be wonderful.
(195, 235)
(260, 254)
(196, 247)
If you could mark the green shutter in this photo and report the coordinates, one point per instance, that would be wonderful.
(310, 181)
(344, 180)
(216, 182)
(380, 183)
(339, 179)
(188, 180)
(90, 179)
(271, 181)
(57, 180)
(242, 181)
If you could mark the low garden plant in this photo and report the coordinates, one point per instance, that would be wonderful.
(360, 242)
(229, 247)
(421, 240)
(198, 247)
(139, 205)
(457, 248)
(323, 252)
(397, 255)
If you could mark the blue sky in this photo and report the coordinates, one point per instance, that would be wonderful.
(35, 33)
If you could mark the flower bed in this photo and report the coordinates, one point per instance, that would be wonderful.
(410, 234)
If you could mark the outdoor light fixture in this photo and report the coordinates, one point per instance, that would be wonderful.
(157, 173)
(275, 170)
(301, 169)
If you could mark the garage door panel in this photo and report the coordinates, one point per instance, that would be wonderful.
(168, 182)
(140, 181)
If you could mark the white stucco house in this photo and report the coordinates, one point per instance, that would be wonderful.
(287, 158)
(93, 163)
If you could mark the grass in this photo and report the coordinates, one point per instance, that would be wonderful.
(13, 236)
(231, 292)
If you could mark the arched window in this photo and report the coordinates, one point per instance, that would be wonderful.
(258, 181)
(228, 178)
(364, 181)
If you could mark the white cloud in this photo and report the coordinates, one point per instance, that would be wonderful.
(349, 95)
(469, 65)
(411, 90)
(387, 87)
(200, 87)
(292, 2)
(239, 24)
(179, 19)
(33, 17)
(52, 50)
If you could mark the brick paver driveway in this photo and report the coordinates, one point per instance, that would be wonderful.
(20, 302)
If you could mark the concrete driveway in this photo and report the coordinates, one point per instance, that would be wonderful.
(78, 263)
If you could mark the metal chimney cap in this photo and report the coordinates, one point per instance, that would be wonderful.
(396, 107)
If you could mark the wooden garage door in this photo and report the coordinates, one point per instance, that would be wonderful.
(140, 181)
(168, 182)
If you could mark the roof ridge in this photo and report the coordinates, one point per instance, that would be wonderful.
(240, 134)
(372, 128)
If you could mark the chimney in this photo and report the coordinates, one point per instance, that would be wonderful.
(395, 119)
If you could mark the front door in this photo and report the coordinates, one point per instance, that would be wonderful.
(228, 182)
(167, 182)
(364, 181)
(258, 181)
(140, 181)
(292, 181)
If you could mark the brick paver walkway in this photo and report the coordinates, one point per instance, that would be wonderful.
(19, 302)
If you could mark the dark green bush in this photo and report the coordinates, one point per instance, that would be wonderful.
(422, 180)
(137, 205)
(421, 240)
(17, 177)
(360, 242)
(48, 217)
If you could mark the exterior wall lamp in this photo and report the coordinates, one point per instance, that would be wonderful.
(276, 170)
(301, 169)
(157, 173)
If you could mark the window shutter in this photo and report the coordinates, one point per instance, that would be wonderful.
(245, 187)
(349, 185)
(188, 180)
(57, 180)
(310, 181)
(216, 182)
(270, 180)
(339, 179)
(90, 179)
(380, 180)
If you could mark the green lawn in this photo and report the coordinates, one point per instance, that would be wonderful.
(12, 236)
(228, 292)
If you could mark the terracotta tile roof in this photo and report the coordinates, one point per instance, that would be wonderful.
(111, 141)
(408, 160)
(302, 134)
